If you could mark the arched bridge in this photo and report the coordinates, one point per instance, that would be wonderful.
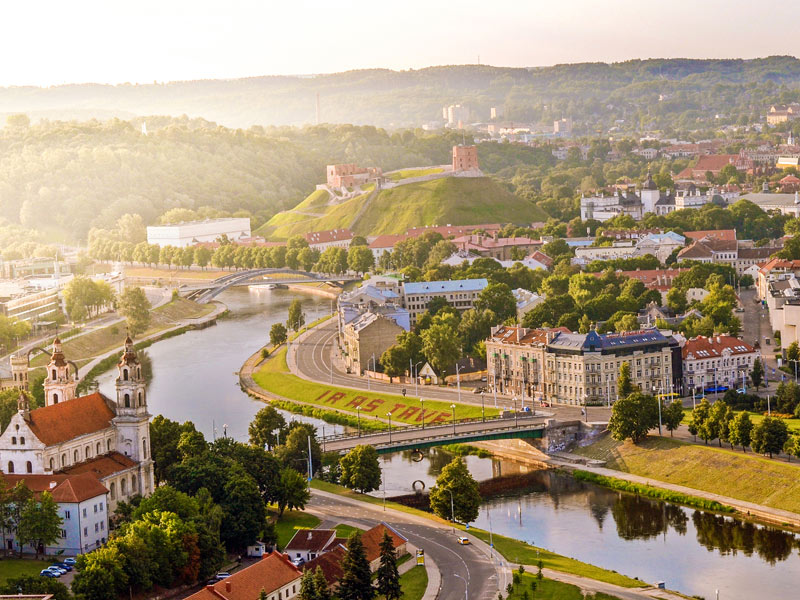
(417, 438)
(204, 291)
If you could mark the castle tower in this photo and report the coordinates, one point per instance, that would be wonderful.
(60, 384)
(19, 370)
(132, 421)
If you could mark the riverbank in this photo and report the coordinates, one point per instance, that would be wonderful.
(756, 487)
(271, 379)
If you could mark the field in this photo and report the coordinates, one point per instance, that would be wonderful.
(17, 567)
(275, 377)
(456, 200)
(104, 340)
(413, 583)
(549, 589)
(747, 477)
(408, 173)
(290, 522)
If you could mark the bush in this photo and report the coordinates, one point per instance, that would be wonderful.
(329, 416)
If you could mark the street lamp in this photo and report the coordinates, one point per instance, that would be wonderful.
(358, 415)
(390, 426)
(453, 406)
(416, 378)
(452, 510)
(483, 409)
(458, 381)
(422, 403)
(516, 422)
(466, 586)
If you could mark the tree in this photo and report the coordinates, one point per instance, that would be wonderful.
(626, 323)
(100, 575)
(412, 344)
(356, 580)
(793, 352)
(165, 435)
(475, 326)
(465, 500)
(294, 451)
(394, 361)
(740, 430)
(308, 588)
(715, 424)
(388, 578)
(277, 334)
(83, 297)
(624, 385)
(699, 416)
(360, 469)
(202, 256)
(243, 512)
(672, 416)
(292, 491)
(30, 585)
(39, 524)
(585, 324)
(632, 416)
(360, 259)
(498, 298)
(135, 307)
(440, 345)
(265, 427)
(321, 585)
(296, 318)
(746, 281)
(757, 374)
(769, 436)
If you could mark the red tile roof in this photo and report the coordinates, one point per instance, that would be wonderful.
(517, 335)
(719, 234)
(102, 466)
(330, 563)
(712, 347)
(542, 258)
(779, 263)
(386, 241)
(453, 230)
(67, 420)
(270, 574)
(313, 540)
(64, 488)
(373, 537)
(331, 235)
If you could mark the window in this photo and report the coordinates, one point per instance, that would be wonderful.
(122, 486)
(55, 398)
(75, 456)
(63, 460)
(10, 467)
(29, 467)
(66, 514)
(95, 508)
(53, 375)
(52, 464)
(87, 452)
(84, 513)
(14, 440)
(125, 374)
(63, 533)
(85, 531)
(101, 507)
(144, 447)
(108, 446)
(96, 527)
(97, 449)
(127, 399)
(102, 526)
(22, 440)
(133, 484)
(113, 490)
(140, 399)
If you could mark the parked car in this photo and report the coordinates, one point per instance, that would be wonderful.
(48, 573)
(70, 561)
(223, 575)
(58, 570)
(63, 565)
(299, 561)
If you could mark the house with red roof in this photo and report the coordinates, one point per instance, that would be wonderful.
(712, 163)
(274, 574)
(717, 361)
(332, 238)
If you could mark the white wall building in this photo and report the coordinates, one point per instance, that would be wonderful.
(717, 361)
(193, 232)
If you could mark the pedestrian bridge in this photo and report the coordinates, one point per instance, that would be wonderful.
(205, 291)
(418, 438)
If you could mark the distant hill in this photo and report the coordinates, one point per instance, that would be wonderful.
(643, 93)
(451, 200)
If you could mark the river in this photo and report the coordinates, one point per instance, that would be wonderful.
(194, 378)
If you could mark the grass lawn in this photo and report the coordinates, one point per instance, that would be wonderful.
(513, 550)
(19, 567)
(407, 173)
(274, 376)
(413, 583)
(549, 589)
(744, 476)
(292, 520)
(344, 531)
(106, 339)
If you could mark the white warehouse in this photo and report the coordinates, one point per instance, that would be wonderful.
(194, 232)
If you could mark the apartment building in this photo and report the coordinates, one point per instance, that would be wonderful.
(716, 363)
(558, 366)
(460, 294)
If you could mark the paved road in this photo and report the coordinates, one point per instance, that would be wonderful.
(438, 541)
(311, 359)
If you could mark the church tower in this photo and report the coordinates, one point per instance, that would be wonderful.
(60, 384)
(132, 421)
(19, 370)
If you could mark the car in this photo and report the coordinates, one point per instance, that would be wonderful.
(70, 561)
(58, 570)
(223, 575)
(64, 566)
(299, 561)
(48, 573)
(738, 309)
(464, 541)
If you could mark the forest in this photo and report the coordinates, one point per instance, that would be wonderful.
(655, 93)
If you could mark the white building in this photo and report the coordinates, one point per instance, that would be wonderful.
(526, 301)
(332, 238)
(87, 434)
(717, 361)
(193, 232)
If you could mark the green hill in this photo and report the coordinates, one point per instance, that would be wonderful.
(451, 200)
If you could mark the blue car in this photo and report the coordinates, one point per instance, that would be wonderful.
(63, 565)
(70, 561)
(46, 573)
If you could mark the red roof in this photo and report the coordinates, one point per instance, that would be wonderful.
(519, 335)
(70, 419)
(102, 466)
(542, 258)
(717, 234)
(707, 162)
(711, 347)
(313, 540)
(331, 235)
(453, 230)
(386, 241)
(270, 574)
(779, 263)
(791, 179)
(373, 537)
(64, 488)
(330, 562)
(486, 242)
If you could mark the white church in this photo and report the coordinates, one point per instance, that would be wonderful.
(59, 444)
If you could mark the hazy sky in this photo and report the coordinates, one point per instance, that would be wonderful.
(47, 42)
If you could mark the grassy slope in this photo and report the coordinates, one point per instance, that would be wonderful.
(413, 583)
(408, 173)
(549, 589)
(290, 522)
(513, 550)
(746, 477)
(101, 341)
(454, 200)
(275, 377)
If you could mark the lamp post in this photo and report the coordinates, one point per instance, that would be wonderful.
(659, 398)
(390, 426)
(466, 586)
(422, 402)
(224, 430)
(494, 388)
(458, 381)
(453, 406)
(358, 415)
(483, 409)
(585, 408)
(452, 510)
(416, 378)
(516, 422)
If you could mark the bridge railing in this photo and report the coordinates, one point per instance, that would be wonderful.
(521, 420)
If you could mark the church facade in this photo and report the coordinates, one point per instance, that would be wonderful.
(76, 435)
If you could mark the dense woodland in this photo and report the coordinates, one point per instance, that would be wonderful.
(656, 93)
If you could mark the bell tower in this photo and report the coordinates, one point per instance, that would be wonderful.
(60, 384)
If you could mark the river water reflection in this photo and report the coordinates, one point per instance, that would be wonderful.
(194, 378)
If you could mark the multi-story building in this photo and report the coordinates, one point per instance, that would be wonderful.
(781, 113)
(460, 294)
(190, 233)
(717, 362)
(494, 247)
(571, 368)
(776, 269)
(34, 306)
(366, 338)
(332, 238)
(738, 254)
(273, 577)
(465, 158)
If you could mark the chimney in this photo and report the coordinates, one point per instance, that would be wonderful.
(227, 586)
(53, 484)
(309, 535)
